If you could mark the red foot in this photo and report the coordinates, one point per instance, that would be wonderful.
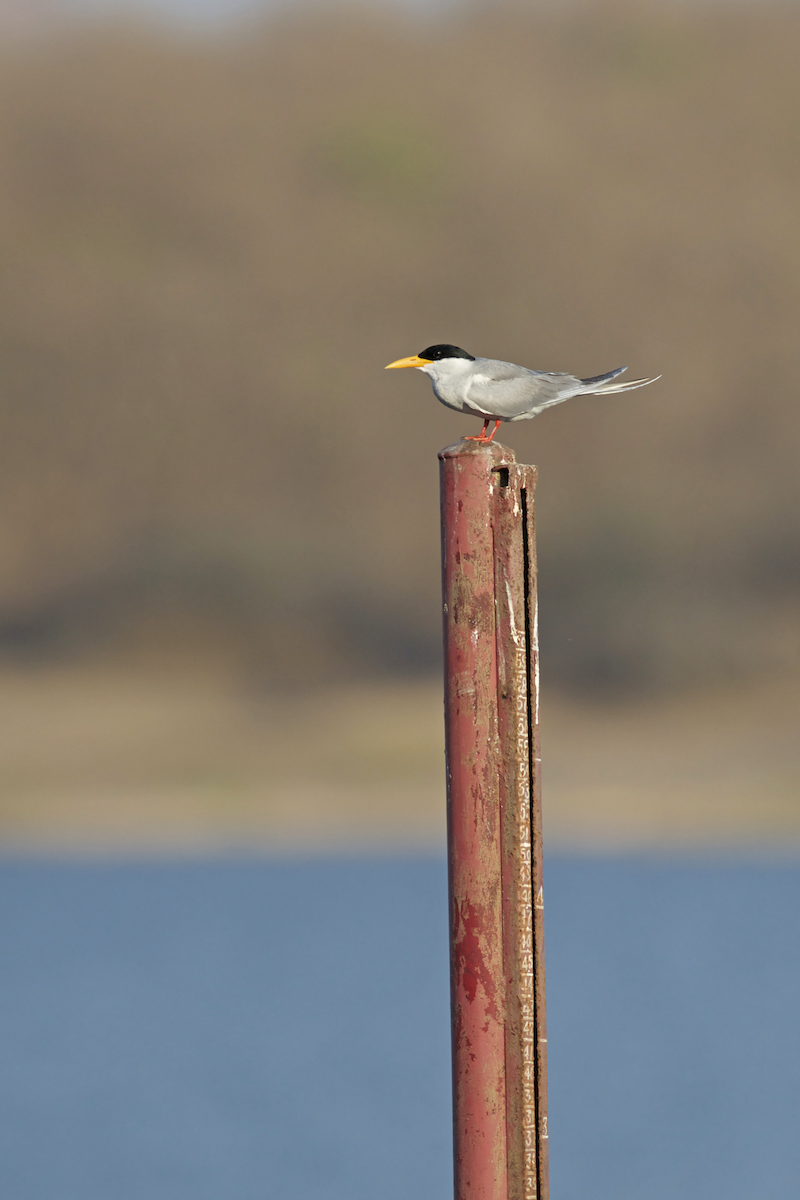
(481, 437)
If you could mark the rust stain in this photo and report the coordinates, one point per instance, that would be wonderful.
(460, 1039)
(468, 928)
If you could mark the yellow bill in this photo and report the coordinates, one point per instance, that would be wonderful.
(413, 360)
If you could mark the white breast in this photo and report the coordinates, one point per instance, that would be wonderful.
(451, 379)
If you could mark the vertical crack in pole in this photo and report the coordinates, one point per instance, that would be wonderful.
(514, 794)
(529, 753)
(532, 1169)
(536, 865)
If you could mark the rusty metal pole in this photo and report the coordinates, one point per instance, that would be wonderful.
(494, 824)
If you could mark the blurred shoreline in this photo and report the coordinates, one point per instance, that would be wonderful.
(96, 761)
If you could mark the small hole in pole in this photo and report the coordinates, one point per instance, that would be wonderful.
(502, 475)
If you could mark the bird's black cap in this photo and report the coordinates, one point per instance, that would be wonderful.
(434, 353)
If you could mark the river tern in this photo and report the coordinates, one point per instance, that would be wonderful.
(501, 391)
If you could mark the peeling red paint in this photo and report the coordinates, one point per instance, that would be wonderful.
(476, 910)
(495, 1143)
(470, 963)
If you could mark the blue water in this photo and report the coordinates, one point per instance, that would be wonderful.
(183, 1031)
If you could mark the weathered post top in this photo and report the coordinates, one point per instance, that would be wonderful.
(494, 824)
(469, 446)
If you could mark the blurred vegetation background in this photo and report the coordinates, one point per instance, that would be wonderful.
(211, 247)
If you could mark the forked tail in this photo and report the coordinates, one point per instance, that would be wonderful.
(604, 384)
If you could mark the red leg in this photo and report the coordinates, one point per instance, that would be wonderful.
(494, 431)
(480, 437)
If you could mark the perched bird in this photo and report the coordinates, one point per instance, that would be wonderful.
(501, 391)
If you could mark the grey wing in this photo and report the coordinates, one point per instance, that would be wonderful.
(504, 390)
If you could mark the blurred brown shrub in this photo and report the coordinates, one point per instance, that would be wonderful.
(209, 251)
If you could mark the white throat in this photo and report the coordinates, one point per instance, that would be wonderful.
(447, 368)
